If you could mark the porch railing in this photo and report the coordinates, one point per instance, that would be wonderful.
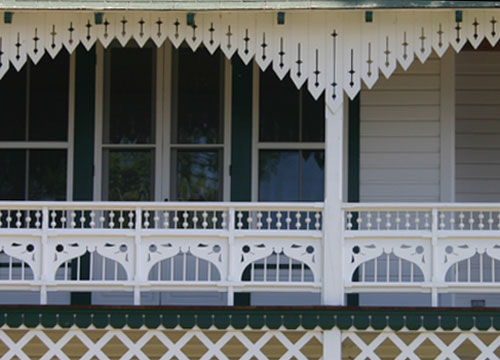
(250, 247)
(437, 248)
(108, 246)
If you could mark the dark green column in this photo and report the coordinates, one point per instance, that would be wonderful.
(353, 168)
(241, 142)
(83, 157)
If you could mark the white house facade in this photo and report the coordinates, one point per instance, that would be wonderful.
(250, 180)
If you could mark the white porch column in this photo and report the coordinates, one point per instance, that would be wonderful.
(333, 289)
(332, 344)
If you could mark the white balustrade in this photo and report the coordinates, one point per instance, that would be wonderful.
(106, 246)
(436, 248)
(125, 246)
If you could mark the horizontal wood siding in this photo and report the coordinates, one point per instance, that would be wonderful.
(400, 136)
(478, 126)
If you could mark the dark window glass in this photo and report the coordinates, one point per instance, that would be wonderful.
(199, 97)
(12, 174)
(198, 176)
(278, 108)
(130, 117)
(130, 175)
(313, 118)
(313, 175)
(291, 175)
(13, 105)
(49, 89)
(278, 175)
(47, 175)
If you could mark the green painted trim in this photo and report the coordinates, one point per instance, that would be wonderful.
(241, 142)
(254, 317)
(243, 5)
(353, 167)
(83, 157)
(241, 129)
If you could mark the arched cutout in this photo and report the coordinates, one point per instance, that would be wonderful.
(184, 267)
(91, 266)
(388, 268)
(277, 267)
(475, 269)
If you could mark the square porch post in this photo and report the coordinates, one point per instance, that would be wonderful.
(333, 289)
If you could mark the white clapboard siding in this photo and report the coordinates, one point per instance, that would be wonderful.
(478, 126)
(400, 136)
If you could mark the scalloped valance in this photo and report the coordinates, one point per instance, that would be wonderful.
(331, 51)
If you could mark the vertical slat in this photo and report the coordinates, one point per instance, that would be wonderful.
(277, 266)
(78, 268)
(172, 268)
(184, 266)
(91, 268)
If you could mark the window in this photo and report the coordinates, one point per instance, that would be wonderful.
(290, 146)
(197, 125)
(35, 122)
(129, 130)
(163, 124)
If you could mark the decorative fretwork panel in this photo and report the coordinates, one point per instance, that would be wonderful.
(334, 52)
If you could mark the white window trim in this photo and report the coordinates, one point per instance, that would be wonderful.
(257, 145)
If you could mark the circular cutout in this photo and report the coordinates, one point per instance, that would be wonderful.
(123, 248)
(310, 249)
(419, 249)
(216, 249)
(356, 250)
(59, 248)
(152, 248)
(246, 249)
(30, 248)
(449, 249)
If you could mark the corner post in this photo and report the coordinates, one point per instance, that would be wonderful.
(333, 261)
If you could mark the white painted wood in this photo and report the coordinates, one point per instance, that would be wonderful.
(332, 289)
(447, 131)
(401, 136)
(365, 47)
(478, 127)
(332, 344)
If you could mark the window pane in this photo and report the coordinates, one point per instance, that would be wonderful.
(313, 175)
(130, 112)
(47, 175)
(278, 175)
(130, 175)
(279, 108)
(198, 176)
(199, 87)
(313, 118)
(49, 94)
(12, 176)
(13, 105)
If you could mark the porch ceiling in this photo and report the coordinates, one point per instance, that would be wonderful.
(324, 317)
(241, 4)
